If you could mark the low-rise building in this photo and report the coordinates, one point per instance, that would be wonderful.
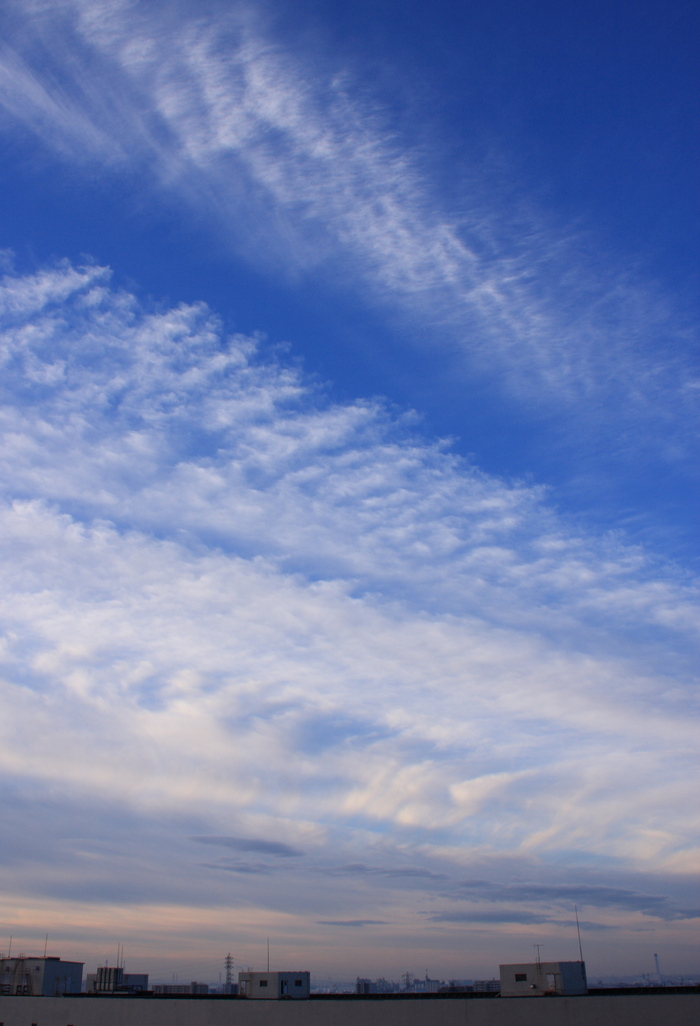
(181, 988)
(48, 976)
(540, 979)
(274, 985)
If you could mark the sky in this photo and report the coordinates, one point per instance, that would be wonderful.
(349, 484)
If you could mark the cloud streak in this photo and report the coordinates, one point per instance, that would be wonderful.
(251, 844)
(353, 922)
(398, 872)
(592, 895)
(288, 155)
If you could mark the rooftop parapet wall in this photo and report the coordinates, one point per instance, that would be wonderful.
(127, 1010)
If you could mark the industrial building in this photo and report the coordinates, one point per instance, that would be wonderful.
(271, 986)
(40, 977)
(113, 980)
(539, 979)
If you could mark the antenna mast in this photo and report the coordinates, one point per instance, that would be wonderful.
(658, 970)
(578, 931)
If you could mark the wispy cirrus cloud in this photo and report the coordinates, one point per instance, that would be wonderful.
(299, 634)
(240, 613)
(308, 177)
(194, 540)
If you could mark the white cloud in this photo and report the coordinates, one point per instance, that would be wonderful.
(233, 609)
(226, 598)
(301, 172)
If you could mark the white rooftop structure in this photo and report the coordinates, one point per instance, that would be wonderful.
(271, 986)
(541, 979)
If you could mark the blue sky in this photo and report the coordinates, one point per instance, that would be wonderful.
(349, 461)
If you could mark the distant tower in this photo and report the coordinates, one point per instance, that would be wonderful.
(228, 964)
